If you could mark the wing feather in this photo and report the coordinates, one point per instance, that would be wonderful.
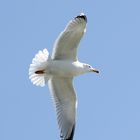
(65, 46)
(65, 102)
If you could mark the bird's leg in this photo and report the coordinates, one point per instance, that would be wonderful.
(40, 72)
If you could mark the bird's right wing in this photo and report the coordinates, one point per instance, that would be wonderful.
(64, 98)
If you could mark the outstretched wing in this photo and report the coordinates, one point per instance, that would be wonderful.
(65, 102)
(65, 46)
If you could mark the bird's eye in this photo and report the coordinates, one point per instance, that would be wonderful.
(89, 66)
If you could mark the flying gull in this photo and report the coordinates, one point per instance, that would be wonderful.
(59, 70)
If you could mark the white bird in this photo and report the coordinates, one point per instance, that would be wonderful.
(59, 71)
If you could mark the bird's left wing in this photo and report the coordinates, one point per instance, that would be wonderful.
(64, 98)
(65, 46)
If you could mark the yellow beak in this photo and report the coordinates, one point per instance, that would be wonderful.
(94, 70)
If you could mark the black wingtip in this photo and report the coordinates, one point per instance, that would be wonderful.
(83, 16)
(71, 136)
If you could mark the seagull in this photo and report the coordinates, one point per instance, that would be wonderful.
(59, 70)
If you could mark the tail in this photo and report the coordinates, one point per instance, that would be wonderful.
(37, 69)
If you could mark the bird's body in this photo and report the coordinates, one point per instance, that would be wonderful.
(59, 70)
(64, 68)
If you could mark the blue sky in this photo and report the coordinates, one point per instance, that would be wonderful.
(108, 103)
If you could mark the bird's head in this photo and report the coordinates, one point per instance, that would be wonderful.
(89, 68)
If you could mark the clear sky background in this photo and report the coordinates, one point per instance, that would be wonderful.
(108, 103)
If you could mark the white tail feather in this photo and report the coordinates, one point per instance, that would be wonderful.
(37, 69)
